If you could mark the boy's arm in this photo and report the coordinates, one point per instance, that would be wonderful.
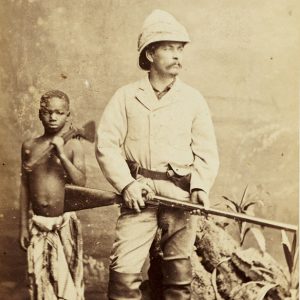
(75, 168)
(24, 205)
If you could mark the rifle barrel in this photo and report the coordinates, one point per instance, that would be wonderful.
(78, 198)
(229, 215)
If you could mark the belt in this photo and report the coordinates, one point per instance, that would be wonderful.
(181, 181)
(155, 174)
(136, 169)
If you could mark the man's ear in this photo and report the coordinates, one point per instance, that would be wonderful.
(68, 114)
(149, 55)
(40, 114)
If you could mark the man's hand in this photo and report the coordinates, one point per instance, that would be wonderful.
(24, 238)
(133, 195)
(58, 142)
(199, 197)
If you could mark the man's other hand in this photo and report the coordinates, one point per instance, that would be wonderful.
(133, 195)
(199, 197)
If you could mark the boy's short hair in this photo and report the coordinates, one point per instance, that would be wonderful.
(54, 94)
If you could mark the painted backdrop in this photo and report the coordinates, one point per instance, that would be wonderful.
(244, 58)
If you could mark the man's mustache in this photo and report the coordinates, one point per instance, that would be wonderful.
(175, 64)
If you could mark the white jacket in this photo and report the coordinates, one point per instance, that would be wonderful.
(135, 125)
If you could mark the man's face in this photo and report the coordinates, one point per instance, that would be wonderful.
(54, 113)
(166, 59)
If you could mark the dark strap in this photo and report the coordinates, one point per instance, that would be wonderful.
(136, 169)
(181, 181)
(153, 174)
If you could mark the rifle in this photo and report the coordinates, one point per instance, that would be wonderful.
(78, 198)
(87, 132)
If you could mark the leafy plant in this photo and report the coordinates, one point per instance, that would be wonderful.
(291, 254)
(245, 206)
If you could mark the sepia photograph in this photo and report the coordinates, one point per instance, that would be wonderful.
(150, 149)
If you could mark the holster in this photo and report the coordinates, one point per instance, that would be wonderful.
(180, 176)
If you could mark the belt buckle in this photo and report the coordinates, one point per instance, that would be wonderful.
(170, 173)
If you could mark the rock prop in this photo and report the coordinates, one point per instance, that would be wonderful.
(224, 271)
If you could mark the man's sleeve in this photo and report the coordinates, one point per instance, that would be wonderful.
(204, 147)
(110, 137)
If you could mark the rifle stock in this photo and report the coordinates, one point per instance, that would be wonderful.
(88, 131)
(78, 198)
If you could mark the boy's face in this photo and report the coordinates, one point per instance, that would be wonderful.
(167, 58)
(54, 113)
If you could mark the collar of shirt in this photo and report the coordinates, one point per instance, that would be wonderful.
(160, 94)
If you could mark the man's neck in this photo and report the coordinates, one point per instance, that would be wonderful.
(160, 82)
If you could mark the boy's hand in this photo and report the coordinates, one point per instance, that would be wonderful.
(133, 195)
(199, 197)
(58, 142)
(24, 239)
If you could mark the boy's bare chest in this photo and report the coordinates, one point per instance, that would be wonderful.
(48, 160)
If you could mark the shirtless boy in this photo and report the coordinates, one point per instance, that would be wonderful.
(52, 237)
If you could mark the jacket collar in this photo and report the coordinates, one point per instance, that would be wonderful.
(146, 95)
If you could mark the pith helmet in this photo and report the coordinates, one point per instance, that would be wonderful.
(159, 26)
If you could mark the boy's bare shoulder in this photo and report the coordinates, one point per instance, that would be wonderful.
(29, 143)
(27, 147)
(74, 144)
